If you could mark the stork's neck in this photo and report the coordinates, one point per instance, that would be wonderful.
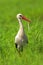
(20, 23)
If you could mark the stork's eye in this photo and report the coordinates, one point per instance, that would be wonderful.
(20, 15)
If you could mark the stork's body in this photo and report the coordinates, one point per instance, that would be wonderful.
(20, 39)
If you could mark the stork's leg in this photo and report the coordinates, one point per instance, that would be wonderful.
(21, 48)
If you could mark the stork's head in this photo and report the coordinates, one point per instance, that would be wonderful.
(20, 16)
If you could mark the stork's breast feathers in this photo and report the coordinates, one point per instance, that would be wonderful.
(21, 39)
(18, 40)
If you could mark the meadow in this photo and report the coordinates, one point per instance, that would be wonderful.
(33, 52)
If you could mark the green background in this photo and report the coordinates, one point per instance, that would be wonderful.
(33, 52)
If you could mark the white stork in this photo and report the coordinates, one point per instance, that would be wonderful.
(21, 39)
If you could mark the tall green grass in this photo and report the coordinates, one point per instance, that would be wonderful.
(33, 52)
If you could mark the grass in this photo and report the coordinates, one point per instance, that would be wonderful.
(33, 53)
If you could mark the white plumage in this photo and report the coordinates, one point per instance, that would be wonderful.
(21, 38)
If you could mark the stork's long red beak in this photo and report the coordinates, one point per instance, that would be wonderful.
(23, 17)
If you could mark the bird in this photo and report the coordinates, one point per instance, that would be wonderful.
(21, 38)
